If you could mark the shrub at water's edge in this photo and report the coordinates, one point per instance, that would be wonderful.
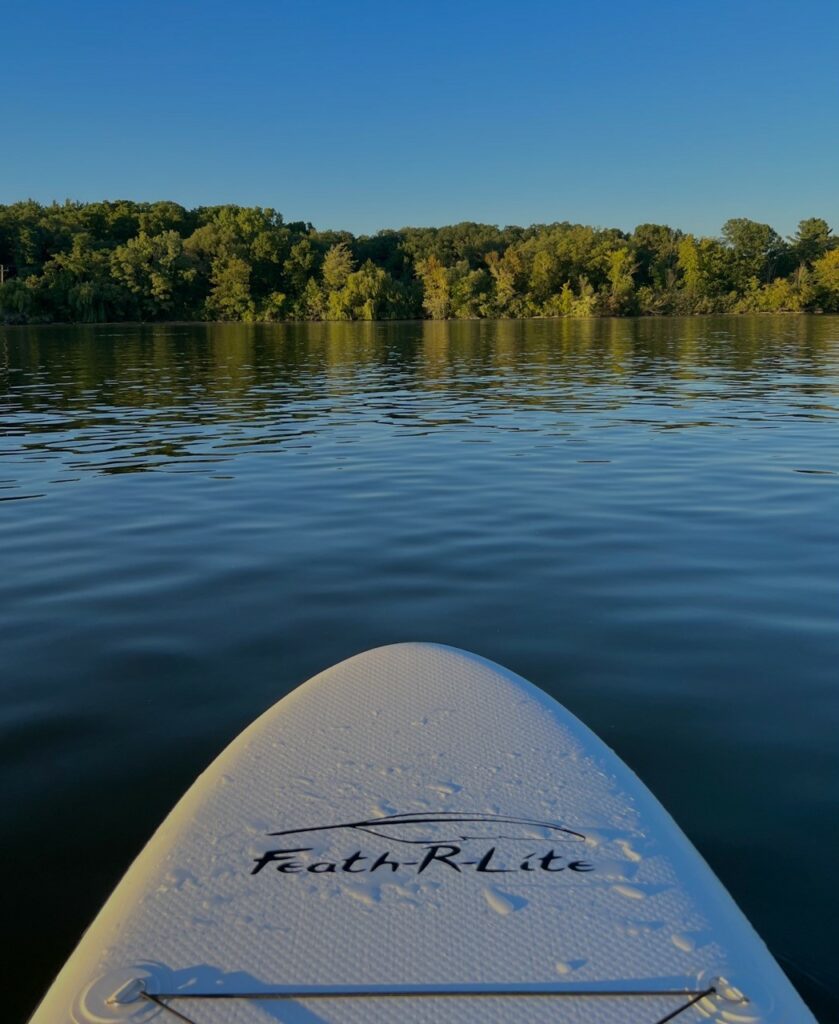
(112, 261)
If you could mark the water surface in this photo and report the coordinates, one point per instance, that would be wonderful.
(642, 517)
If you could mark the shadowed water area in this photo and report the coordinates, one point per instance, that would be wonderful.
(642, 517)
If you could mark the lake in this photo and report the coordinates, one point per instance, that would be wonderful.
(640, 516)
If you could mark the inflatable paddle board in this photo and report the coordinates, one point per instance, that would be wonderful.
(418, 835)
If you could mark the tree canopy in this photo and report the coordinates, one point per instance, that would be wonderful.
(94, 262)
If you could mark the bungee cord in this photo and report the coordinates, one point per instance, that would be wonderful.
(291, 995)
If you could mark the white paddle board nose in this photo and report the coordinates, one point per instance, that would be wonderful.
(419, 834)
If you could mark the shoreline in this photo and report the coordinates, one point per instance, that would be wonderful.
(425, 320)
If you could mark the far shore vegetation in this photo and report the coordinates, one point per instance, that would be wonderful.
(125, 261)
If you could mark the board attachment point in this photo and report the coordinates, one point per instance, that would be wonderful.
(727, 992)
(118, 997)
(130, 991)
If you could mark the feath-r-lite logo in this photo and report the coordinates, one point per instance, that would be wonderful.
(440, 840)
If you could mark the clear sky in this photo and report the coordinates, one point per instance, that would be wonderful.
(368, 114)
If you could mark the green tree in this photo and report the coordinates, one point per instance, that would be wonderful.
(585, 304)
(337, 266)
(754, 251)
(655, 250)
(230, 295)
(369, 294)
(510, 278)
(690, 265)
(471, 291)
(18, 300)
(621, 285)
(543, 280)
(76, 285)
(826, 273)
(313, 301)
(300, 265)
(811, 241)
(436, 296)
(154, 269)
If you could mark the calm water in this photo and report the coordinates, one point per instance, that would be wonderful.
(640, 516)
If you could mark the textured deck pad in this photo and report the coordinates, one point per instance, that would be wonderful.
(419, 819)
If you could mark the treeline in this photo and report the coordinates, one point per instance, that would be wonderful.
(110, 261)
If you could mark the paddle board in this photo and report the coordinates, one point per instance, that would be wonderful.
(419, 835)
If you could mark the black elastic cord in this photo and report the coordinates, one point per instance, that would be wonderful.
(687, 1006)
(426, 994)
(170, 1009)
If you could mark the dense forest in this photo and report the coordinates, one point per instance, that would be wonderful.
(108, 261)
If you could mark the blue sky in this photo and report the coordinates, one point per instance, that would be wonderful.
(363, 115)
